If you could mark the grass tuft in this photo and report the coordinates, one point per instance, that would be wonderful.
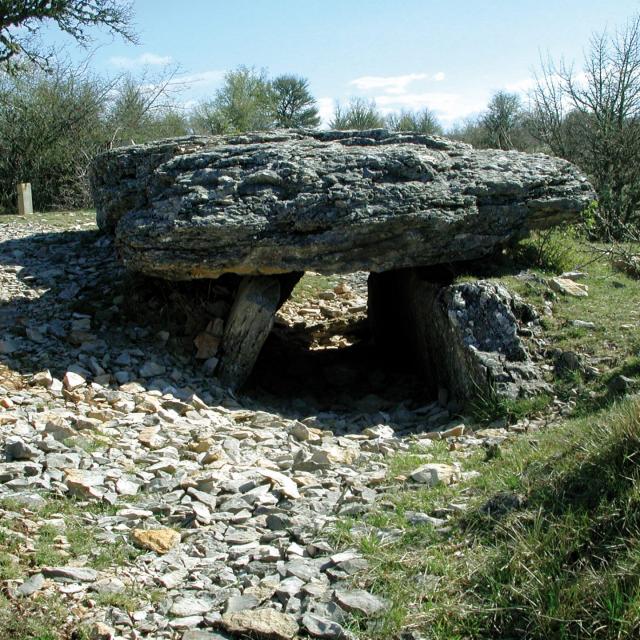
(549, 548)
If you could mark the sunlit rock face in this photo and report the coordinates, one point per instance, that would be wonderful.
(328, 201)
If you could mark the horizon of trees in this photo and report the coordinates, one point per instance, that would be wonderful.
(55, 117)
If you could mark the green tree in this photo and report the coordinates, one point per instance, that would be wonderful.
(143, 110)
(293, 104)
(502, 119)
(51, 125)
(592, 118)
(243, 103)
(21, 20)
(423, 121)
(359, 114)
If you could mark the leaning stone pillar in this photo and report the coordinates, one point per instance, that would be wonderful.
(248, 325)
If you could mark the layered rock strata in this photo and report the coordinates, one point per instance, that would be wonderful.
(270, 204)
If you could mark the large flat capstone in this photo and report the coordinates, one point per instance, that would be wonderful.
(327, 201)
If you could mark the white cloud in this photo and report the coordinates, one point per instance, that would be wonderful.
(143, 60)
(440, 76)
(448, 107)
(325, 108)
(389, 84)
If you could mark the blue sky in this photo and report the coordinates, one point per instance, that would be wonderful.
(448, 56)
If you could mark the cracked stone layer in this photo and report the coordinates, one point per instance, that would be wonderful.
(327, 201)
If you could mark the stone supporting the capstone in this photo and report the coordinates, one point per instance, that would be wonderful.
(463, 337)
(248, 325)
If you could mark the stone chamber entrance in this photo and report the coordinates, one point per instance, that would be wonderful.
(322, 352)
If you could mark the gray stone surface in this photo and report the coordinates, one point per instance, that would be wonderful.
(73, 574)
(464, 337)
(327, 201)
(360, 601)
(274, 479)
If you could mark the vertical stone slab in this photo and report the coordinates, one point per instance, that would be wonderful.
(248, 325)
(463, 337)
(25, 201)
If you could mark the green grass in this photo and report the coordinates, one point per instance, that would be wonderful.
(311, 284)
(45, 617)
(35, 618)
(549, 543)
(55, 546)
(561, 561)
(59, 219)
(613, 305)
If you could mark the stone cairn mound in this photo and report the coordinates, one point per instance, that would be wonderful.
(269, 206)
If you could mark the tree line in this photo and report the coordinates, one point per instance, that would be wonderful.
(54, 117)
(54, 120)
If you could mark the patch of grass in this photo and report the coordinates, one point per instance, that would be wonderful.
(613, 305)
(128, 600)
(46, 553)
(311, 284)
(491, 405)
(552, 250)
(88, 444)
(9, 568)
(82, 540)
(59, 219)
(131, 599)
(36, 618)
(405, 462)
(549, 547)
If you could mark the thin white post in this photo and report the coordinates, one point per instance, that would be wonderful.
(25, 202)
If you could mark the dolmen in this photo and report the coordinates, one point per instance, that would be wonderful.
(268, 206)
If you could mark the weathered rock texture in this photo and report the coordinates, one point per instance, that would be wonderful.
(327, 201)
(463, 337)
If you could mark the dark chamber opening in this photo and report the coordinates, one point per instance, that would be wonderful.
(326, 355)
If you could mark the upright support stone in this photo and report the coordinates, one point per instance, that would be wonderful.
(25, 202)
(248, 325)
(463, 337)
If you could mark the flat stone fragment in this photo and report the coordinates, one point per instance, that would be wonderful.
(324, 628)
(158, 540)
(31, 585)
(201, 634)
(329, 201)
(435, 473)
(241, 603)
(72, 380)
(360, 601)
(261, 623)
(189, 606)
(71, 574)
(569, 287)
(288, 487)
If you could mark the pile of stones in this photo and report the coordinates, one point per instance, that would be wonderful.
(200, 514)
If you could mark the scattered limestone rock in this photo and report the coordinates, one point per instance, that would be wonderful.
(360, 602)
(190, 606)
(70, 574)
(158, 540)
(435, 473)
(569, 287)
(151, 369)
(264, 623)
(73, 380)
(324, 628)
